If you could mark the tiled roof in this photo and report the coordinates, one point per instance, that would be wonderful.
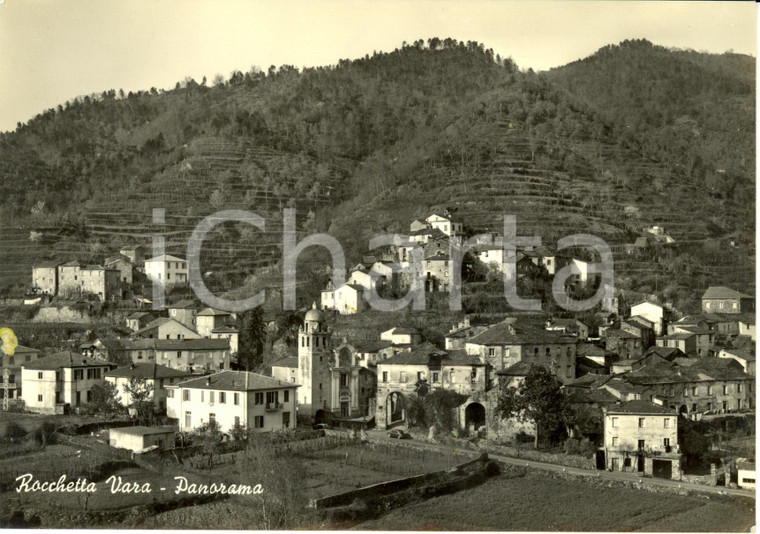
(372, 346)
(175, 344)
(155, 324)
(211, 312)
(722, 292)
(738, 353)
(225, 330)
(46, 265)
(146, 370)
(235, 381)
(144, 430)
(638, 407)
(619, 333)
(421, 355)
(139, 315)
(590, 349)
(701, 369)
(521, 368)
(668, 353)
(591, 395)
(291, 361)
(165, 257)
(402, 331)
(65, 359)
(21, 349)
(524, 333)
(186, 303)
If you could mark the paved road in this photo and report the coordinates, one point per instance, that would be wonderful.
(380, 436)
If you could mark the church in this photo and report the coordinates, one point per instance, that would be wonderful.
(335, 383)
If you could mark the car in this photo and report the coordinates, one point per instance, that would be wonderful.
(321, 426)
(399, 434)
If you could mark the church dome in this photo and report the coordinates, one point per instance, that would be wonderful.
(314, 315)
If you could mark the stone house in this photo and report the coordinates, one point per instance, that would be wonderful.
(506, 343)
(45, 277)
(165, 328)
(184, 311)
(139, 320)
(720, 299)
(684, 341)
(451, 370)
(121, 263)
(640, 436)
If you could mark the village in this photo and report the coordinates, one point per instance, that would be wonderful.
(632, 373)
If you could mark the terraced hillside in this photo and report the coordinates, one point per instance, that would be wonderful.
(364, 147)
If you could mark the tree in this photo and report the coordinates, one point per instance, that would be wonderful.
(106, 399)
(439, 408)
(208, 436)
(539, 398)
(252, 338)
(141, 397)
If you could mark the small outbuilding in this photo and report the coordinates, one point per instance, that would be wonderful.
(140, 438)
(746, 473)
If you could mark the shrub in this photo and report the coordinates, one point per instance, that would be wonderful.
(45, 434)
(14, 432)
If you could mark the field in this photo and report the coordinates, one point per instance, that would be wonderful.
(540, 502)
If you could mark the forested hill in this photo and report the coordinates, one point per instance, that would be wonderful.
(364, 146)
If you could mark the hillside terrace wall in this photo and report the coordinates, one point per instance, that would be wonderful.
(568, 460)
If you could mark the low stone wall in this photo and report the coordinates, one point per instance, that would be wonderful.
(568, 460)
(439, 480)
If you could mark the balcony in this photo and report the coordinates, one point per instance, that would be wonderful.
(273, 406)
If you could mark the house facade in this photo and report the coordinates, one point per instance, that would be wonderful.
(653, 313)
(233, 398)
(720, 299)
(165, 328)
(45, 278)
(10, 380)
(64, 380)
(166, 269)
(458, 371)
(640, 436)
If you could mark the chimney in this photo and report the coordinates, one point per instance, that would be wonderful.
(132, 365)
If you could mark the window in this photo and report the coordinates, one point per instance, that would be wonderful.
(258, 421)
(79, 374)
(548, 352)
(685, 392)
(236, 398)
(211, 397)
(179, 354)
(748, 480)
(435, 376)
(273, 397)
(709, 390)
(139, 355)
(666, 423)
(452, 376)
(39, 398)
(694, 391)
(615, 441)
(641, 422)
(286, 396)
(725, 406)
(694, 407)
(535, 352)
(11, 360)
(222, 397)
(739, 387)
(186, 394)
(343, 379)
(39, 376)
(170, 393)
(642, 443)
(385, 376)
(211, 418)
(666, 443)
(258, 398)
(725, 389)
(203, 396)
(188, 420)
(89, 396)
(614, 422)
(491, 351)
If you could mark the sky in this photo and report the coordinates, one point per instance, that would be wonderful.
(54, 50)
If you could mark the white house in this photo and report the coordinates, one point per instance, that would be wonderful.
(209, 319)
(140, 438)
(651, 312)
(230, 333)
(349, 298)
(445, 224)
(53, 384)
(166, 269)
(260, 403)
(402, 336)
(746, 473)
